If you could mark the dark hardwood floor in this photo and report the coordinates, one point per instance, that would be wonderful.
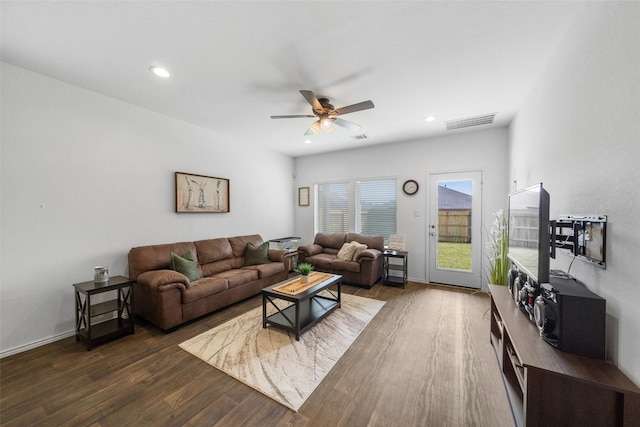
(424, 360)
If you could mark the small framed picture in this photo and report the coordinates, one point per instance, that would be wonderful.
(303, 196)
(199, 193)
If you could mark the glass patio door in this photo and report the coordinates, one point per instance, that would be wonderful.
(455, 247)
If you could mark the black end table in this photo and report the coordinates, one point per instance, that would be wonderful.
(110, 318)
(395, 273)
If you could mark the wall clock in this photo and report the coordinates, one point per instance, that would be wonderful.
(410, 187)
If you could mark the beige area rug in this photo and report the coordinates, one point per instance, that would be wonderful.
(272, 361)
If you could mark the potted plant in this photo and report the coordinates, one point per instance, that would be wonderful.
(304, 269)
(497, 250)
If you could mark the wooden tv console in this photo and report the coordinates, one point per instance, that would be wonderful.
(548, 387)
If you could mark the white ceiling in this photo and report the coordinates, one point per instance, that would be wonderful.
(234, 64)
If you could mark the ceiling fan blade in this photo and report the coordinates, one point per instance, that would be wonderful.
(365, 105)
(346, 124)
(294, 116)
(311, 99)
(314, 129)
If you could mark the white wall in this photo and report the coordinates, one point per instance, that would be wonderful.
(579, 134)
(484, 150)
(85, 178)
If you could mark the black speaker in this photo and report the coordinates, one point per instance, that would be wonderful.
(518, 292)
(525, 290)
(571, 317)
(513, 275)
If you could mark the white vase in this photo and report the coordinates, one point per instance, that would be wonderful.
(304, 279)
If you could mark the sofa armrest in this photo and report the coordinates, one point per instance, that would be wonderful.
(309, 250)
(161, 280)
(277, 255)
(368, 254)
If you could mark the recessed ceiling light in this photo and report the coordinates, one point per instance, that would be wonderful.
(159, 71)
(307, 141)
(429, 119)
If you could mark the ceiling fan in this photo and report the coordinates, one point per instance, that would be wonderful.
(326, 114)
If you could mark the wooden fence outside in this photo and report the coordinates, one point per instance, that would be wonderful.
(454, 226)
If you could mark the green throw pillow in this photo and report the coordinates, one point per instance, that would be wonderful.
(187, 255)
(255, 256)
(187, 265)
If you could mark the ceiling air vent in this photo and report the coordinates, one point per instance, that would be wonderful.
(484, 119)
(362, 136)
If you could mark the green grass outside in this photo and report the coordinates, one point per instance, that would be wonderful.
(454, 255)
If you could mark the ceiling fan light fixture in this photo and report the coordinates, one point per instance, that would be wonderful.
(429, 118)
(307, 141)
(326, 122)
(327, 115)
(159, 71)
(314, 129)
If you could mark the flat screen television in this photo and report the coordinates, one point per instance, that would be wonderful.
(528, 230)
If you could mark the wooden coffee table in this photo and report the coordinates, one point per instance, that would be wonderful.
(307, 307)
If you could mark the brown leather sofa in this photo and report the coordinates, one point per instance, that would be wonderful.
(364, 269)
(167, 298)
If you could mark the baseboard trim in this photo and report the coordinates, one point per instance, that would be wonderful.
(35, 344)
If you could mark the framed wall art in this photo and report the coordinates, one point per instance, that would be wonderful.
(303, 196)
(199, 193)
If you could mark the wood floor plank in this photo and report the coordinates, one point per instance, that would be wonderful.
(425, 359)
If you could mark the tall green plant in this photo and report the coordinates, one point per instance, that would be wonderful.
(497, 250)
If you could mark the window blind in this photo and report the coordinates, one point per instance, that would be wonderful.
(332, 207)
(376, 207)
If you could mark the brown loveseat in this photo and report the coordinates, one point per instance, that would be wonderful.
(362, 268)
(167, 298)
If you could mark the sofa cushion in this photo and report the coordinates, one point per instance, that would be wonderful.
(330, 240)
(321, 261)
(256, 256)
(216, 267)
(239, 243)
(238, 277)
(267, 270)
(339, 265)
(203, 288)
(212, 250)
(346, 251)
(186, 265)
(372, 242)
